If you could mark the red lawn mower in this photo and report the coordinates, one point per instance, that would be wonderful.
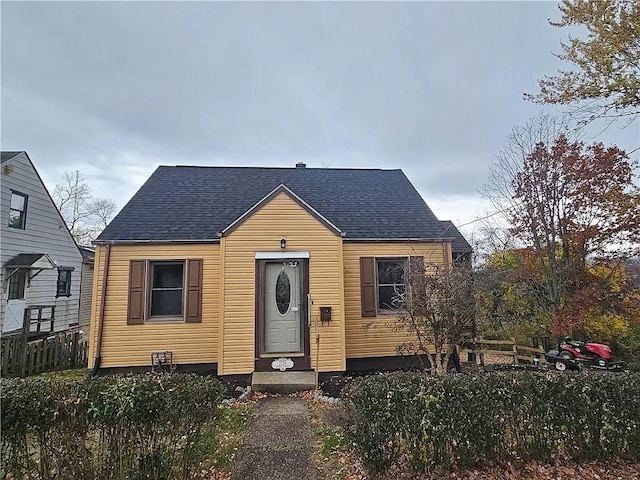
(597, 354)
(572, 354)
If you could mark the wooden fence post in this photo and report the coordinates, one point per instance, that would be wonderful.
(25, 333)
(74, 349)
(515, 352)
(67, 350)
(480, 352)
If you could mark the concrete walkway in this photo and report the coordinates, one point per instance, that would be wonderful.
(277, 445)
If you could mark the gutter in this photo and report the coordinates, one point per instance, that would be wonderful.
(152, 242)
(345, 238)
(105, 271)
(400, 240)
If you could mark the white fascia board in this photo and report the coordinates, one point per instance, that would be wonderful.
(44, 263)
(280, 255)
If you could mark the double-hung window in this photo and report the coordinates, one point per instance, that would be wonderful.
(390, 282)
(18, 210)
(64, 282)
(166, 289)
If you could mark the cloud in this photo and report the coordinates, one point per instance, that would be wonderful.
(116, 88)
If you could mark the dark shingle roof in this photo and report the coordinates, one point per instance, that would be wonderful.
(24, 260)
(88, 254)
(4, 156)
(195, 203)
(459, 244)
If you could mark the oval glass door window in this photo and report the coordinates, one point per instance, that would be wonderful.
(283, 293)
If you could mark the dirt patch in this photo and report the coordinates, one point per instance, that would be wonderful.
(234, 383)
(332, 386)
(491, 359)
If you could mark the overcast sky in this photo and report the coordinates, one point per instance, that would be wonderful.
(114, 89)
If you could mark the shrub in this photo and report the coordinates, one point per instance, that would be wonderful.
(144, 426)
(470, 420)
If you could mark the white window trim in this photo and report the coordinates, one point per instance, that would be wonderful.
(280, 255)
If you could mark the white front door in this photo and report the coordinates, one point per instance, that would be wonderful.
(282, 307)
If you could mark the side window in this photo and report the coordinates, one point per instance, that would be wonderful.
(166, 296)
(390, 281)
(64, 282)
(18, 210)
(166, 290)
(17, 282)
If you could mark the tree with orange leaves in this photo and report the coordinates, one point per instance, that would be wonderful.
(571, 204)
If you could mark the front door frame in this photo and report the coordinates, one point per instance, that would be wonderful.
(263, 363)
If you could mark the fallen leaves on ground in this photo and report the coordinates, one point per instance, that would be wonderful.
(214, 474)
(532, 471)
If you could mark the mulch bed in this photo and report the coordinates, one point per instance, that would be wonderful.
(232, 382)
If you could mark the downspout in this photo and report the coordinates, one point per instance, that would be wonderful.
(105, 272)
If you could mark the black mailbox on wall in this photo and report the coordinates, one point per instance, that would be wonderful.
(325, 314)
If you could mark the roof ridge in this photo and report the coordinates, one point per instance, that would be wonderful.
(240, 167)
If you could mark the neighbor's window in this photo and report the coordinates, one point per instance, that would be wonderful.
(64, 282)
(17, 282)
(167, 288)
(390, 281)
(18, 210)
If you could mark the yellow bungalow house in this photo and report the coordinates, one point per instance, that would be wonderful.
(238, 270)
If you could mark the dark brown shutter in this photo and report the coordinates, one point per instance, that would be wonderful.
(368, 286)
(445, 254)
(135, 308)
(194, 291)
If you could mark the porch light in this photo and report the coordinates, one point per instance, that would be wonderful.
(283, 243)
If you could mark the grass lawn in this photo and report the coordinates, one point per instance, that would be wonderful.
(72, 374)
(228, 440)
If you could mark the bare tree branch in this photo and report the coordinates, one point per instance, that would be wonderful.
(84, 215)
(437, 308)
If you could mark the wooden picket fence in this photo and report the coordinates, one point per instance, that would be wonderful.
(508, 348)
(21, 358)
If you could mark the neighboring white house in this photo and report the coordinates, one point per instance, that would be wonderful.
(40, 264)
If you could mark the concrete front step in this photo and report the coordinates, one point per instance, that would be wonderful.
(282, 382)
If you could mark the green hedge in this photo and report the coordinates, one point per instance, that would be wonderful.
(130, 427)
(470, 420)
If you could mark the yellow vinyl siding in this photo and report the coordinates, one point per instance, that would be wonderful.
(280, 218)
(131, 345)
(377, 336)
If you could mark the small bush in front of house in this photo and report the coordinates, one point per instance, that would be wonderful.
(137, 426)
(470, 420)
